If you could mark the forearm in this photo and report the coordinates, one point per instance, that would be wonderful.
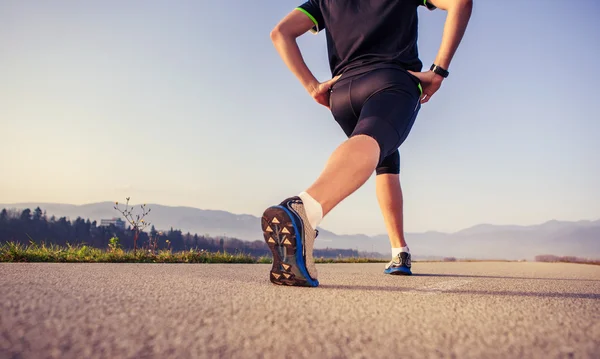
(456, 24)
(290, 53)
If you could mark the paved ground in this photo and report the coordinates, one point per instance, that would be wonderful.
(462, 310)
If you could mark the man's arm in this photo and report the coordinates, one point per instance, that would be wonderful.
(284, 37)
(459, 13)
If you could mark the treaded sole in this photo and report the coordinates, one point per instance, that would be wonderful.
(280, 235)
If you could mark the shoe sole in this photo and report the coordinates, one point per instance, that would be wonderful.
(281, 235)
(398, 271)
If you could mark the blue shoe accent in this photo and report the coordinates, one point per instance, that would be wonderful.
(398, 271)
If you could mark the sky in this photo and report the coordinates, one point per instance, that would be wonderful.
(187, 103)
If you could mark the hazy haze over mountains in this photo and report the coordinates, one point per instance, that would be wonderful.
(484, 241)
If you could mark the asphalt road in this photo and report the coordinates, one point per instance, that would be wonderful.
(462, 310)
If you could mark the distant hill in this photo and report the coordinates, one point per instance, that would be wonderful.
(484, 241)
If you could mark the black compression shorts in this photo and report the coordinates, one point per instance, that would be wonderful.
(383, 104)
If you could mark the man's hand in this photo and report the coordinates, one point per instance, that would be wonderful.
(320, 91)
(430, 82)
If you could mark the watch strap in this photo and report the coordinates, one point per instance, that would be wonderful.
(439, 70)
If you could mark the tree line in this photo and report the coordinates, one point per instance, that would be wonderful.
(34, 226)
(565, 259)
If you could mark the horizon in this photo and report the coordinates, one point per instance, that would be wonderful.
(151, 103)
(149, 205)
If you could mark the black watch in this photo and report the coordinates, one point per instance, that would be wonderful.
(439, 70)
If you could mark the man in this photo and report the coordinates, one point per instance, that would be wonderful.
(375, 94)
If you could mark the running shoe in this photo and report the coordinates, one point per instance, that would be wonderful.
(291, 240)
(399, 265)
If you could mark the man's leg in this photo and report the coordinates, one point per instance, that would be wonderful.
(290, 227)
(347, 169)
(389, 196)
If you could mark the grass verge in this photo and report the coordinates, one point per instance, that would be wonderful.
(16, 252)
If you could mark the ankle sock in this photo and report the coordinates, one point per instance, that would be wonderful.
(396, 251)
(313, 209)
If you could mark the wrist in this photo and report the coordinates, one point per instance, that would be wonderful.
(439, 70)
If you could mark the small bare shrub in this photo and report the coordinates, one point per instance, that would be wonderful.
(138, 224)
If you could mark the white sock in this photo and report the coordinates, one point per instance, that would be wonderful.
(313, 209)
(396, 251)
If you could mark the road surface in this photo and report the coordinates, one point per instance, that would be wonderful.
(446, 310)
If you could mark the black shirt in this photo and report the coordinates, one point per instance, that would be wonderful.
(366, 34)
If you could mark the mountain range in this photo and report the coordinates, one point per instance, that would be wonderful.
(484, 241)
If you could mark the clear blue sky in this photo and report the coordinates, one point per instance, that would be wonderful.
(187, 103)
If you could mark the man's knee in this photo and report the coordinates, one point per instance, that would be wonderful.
(381, 131)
